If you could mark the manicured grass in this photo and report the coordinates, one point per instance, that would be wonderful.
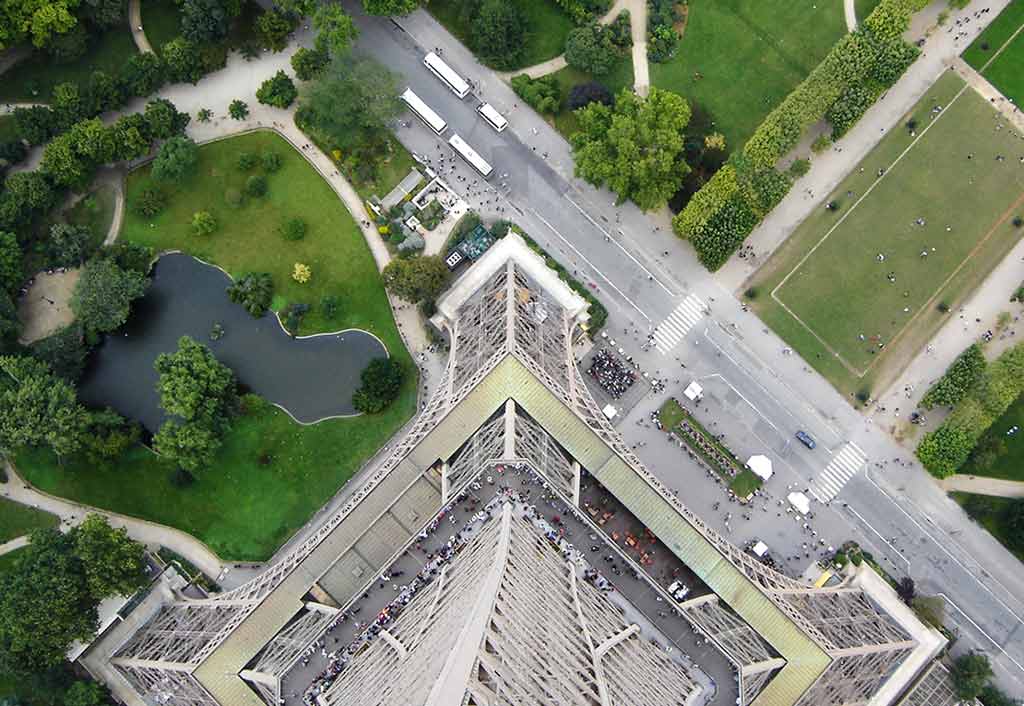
(621, 76)
(33, 79)
(989, 512)
(241, 508)
(96, 211)
(745, 483)
(1006, 71)
(1009, 465)
(670, 414)
(161, 20)
(8, 129)
(17, 519)
(547, 27)
(739, 58)
(840, 290)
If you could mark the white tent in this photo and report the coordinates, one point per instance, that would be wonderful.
(760, 549)
(693, 391)
(609, 411)
(761, 466)
(800, 502)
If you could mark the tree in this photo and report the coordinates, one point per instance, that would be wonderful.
(39, 408)
(64, 351)
(11, 273)
(278, 90)
(590, 49)
(583, 94)
(417, 278)
(381, 382)
(293, 229)
(355, 97)
(273, 28)
(390, 7)
(238, 109)
(944, 450)
(195, 386)
(960, 376)
(105, 13)
(104, 293)
(635, 148)
(309, 63)
(970, 674)
(130, 137)
(164, 120)
(189, 444)
(109, 435)
(36, 124)
(10, 324)
(542, 94)
(63, 163)
(114, 563)
(182, 61)
(335, 29)
(69, 245)
(204, 115)
(1013, 520)
(38, 20)
(203, 223)
(256, 185)
(207, 20)
(271, 161)
(67, 104)
(103, 93)
(254, 291)
(905, 590)
(143, 73)
(69, 46)
(176, 160)
(25, 195)
(45, 604)
(85, 693)
(498, 33)
(992, 696)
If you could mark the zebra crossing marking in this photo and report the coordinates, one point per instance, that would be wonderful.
(840, 469)
(676, 325)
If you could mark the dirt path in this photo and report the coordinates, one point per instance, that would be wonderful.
(983, 486)
(46, 306)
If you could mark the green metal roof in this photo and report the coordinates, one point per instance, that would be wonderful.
(805, 660)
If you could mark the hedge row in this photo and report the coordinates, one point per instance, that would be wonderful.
(583, 11)
(958, 379)
(945, 450)
(841, 88)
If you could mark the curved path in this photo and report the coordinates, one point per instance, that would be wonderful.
(14, 544)
(71, 514)
(849, 9)
(135, 25)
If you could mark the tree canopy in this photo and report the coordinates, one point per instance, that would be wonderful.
(355, 96)
(416, 279)
(590, 49)
(634, 148)
(176, 160)
(104, 293)
(114, 563)
(970, 674)
(381, 382)
(278, 90)
(39, 408)
(335, 29)
(390, 7)
(498, 33)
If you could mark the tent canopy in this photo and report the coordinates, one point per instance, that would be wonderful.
(693, 391)
(761, 466)
(800, 502)
(760, 549)
(609, 411)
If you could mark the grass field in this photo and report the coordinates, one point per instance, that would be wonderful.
(670, 414)
(242, 509)
(161, 21)
(17, 519)
(96, 211)
(1005, 71)
(988, 511)
(749, 54)
(8, 129)
(33, 79)
(547, 27)
(618, 78)
(828, 275)
(1008, 465)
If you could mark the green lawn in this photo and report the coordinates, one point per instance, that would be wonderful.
(670, 414)
(547, 27)
(33, 79)
(618, 78)
(244, 510)
(739, 58)
(161, 21)
(745, 483)
(988, 511)
(1008, 465)
(95, 210)
(837, 286)
(8, 129)
(17, 519)
(1006, 71)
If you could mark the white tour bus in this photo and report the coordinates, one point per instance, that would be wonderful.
(424, 112)
(469, 154)
(447, 74)
(493, 117)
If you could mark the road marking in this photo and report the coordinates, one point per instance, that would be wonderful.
(628, 253)
(584, 258)
(839, 470)
(676, 325)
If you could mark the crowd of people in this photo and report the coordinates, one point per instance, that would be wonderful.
(611, 373)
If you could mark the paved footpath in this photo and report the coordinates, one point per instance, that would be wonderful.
(135, 25)
(14, 544)
(984, 486)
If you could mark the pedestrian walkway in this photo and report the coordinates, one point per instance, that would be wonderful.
(135, 25)
(14, 544)
(850, 12)
(982, 485)
(840, 469)
(674, 328)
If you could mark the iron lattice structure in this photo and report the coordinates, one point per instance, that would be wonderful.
(510, 305)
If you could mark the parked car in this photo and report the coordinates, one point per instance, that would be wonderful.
(805, 439)
(679, 591)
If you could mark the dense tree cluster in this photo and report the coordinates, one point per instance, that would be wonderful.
(583, 11)
(104, 293)
(254, 292)
(861, 65)
(635, 148)
(309, 63)
(278, 90)
(959, 377)
(542, 94)
(380, 383)
(176, 160)
(416, 279)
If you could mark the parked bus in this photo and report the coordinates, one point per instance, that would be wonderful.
(469, 154)
(424, 112)
(493, 117)
(447, 74)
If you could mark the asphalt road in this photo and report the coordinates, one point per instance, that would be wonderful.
(757, 393)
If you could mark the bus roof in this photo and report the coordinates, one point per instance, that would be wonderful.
(457, 83)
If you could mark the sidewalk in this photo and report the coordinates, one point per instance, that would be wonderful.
(982, 485)
(14, 544)
(135, 25)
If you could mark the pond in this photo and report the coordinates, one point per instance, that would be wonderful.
(312, 378)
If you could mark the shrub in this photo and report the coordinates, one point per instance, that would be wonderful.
(246, 161)
(238, 110)
(943, 307)
(278, 91)
(821, 143)
(832, 205)
(329, 306)
(583, 94)
(662, 42)
(271, 161)
(293, 315)
(256, 185)
(590, 49)
(151, 201)
(799, 167)
(751, 293)
(309, 63)
(543, 94)
(1018, 221)
(381, 382)
(959, 377)
(203, 223)
(620, 31)
(254, 292)
(293, 229)
(176, 160)
(233, 197)
(301, 273)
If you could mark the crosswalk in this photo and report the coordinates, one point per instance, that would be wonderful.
(840, 469)
(671, 331)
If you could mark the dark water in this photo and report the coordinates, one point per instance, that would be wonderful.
(312, 377)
